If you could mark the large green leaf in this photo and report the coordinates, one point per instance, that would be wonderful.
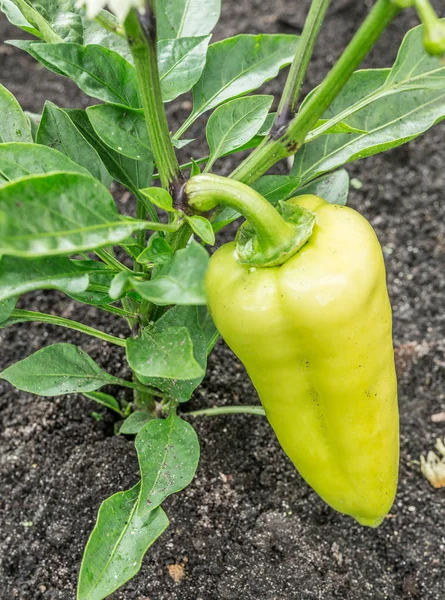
(14, 126)
(186, 18)
(332, 187)
(98, 71)
(190, 318)
(57, 131)
(238, 65)
(235, 123)
(19, 160)
(168, 453)
(133, 174)
(20, 275)
(56, 370)
(181, 63)
(161, 352)
(392, 106)
(59, 213)
(122, 129)
(125, 529)
(178, 281)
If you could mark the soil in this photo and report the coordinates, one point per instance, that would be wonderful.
(248, 527)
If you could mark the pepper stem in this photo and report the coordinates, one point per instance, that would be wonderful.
(271, 236)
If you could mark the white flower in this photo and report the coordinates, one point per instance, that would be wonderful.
(120, 8)
(433, 467)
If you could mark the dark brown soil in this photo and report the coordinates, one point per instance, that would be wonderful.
(248, 527)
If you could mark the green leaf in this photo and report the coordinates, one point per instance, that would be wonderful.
(276, 187)
(105, 400)
(189, 317)
(19, 275)
(56, 370)
(6, 308)
(203, 229)
(16, 18)
(186, 18)
(19, 160)
(158, 252)
(120, 285)
(60, 213)
(57, 131)
(97, 292)
(235, 123)
(159, 197)
(333, 187)
(14, 126)
(133, 174)
(122, 129)
(99, 72)
(125, 529)
(168, 453)
(338, 127)
(181, 63)
(39, 21)
(195, 170)
(163, 353)
(249, 61)
(134, 422)
(394, 106)
(178, 281)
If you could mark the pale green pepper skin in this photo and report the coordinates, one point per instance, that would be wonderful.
(315, 336)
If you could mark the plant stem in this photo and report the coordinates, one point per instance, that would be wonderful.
(204, 192)
(148, 206)
(269, 152)
(141, 34)
(27, 316)
(228, 410)
(111, 261)
(115, 310)
(107, 22)
(135, 385)
(297, 73)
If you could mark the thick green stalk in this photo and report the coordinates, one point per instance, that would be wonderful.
(272, 151)
(27, 316)
(297, 73)
(141, 34)
(205, 192)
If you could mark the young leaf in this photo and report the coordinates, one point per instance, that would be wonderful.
(14, 126)
(394, 106)
(57, 131)
(60, 213)
(163, 353)
(134, 422)
(16, 18)
(189, 317)
(157, 252)
(159, 197)
(125, 529)
(186, 18)
(181, 63)
(178, 281)
(235, 123)
(333, 187)
(168, 453)
(97, 292)
(99, 72)
(105, 400)
(6, 308)
(249, 61)
(120, 285)
(203, 229)
(122, 129)
(195, 170)
(133, 174)
(19, 160)
(33, 16)
(56, 370)
(19, 275)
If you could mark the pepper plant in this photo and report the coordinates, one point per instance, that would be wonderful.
(60, 227)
